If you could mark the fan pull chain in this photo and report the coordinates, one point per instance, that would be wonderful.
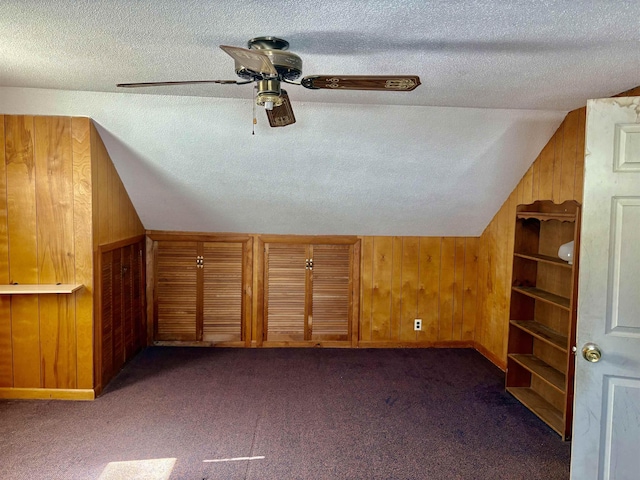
(255, 120)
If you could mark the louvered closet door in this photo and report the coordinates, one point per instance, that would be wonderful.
(331, 292)
(176, 290)
(285, 295)
(107, 314)
(127, 301)
(222, 297)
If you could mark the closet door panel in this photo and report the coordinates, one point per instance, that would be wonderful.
(176, 291)
(127, 301)
(331, 292)
(222, 297)
(107, 314)
(285, 291)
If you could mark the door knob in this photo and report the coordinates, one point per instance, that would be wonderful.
(591, 352)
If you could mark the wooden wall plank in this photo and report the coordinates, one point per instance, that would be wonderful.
(536, 180)
(470, 288)
(429, 288)
(366, 289)
(396, 288)
(569, 147)
(54, 209)
(493, 328)
(527, 187)
(6, 351)
(101, 190)
(381, 294)
(579, 163)
(83, 247)
(23, 260)
(545, 160)
(447, 283)
(409, 290)
(557, 163)
(458, 288)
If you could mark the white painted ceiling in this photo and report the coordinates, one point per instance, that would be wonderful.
(497, 79)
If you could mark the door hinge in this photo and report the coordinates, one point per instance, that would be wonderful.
(309, 264)
(200, 261)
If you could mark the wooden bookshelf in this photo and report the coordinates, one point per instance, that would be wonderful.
(540, 361)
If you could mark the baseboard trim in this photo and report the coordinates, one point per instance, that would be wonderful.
(439, 344)
(498, 362)
(46, 394)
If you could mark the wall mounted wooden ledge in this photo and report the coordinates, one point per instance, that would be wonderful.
(17, 289)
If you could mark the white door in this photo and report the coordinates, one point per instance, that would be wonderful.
(606, 424)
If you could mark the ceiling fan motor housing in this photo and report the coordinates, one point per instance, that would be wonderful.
(287, 64)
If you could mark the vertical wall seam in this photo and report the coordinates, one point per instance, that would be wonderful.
(416, 333)
(35, 181)
(439, 289)
(6, 200)
(391, 287)
(401, 286)
(73, 244)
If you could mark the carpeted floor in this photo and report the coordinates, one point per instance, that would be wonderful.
(198, 413)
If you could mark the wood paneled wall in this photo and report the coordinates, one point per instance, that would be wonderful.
(431, 278)
(114, 216)
(557, 175)
(47, 173)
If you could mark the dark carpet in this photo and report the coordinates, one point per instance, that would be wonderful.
(298, 413)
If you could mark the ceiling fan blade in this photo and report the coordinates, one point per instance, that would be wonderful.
(251, 60)
(282, 115)
(397, 83)
(186, 82)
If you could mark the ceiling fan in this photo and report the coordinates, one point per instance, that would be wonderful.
(268, 63)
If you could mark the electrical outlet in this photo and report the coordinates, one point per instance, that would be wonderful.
(417, 324)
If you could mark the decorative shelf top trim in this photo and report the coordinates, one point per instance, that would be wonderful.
(563, 217)
(39, 289)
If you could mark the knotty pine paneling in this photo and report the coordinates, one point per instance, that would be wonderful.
(6, 350)
(556, 175)
(21, 172)
(55, 249)
(48, 234)
(432, 278)
(83, 248)
(115, 217)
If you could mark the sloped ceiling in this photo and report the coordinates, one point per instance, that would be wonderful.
(497, 79)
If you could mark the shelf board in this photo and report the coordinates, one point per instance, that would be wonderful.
(538, 405)
(541, 369)
(544, 259)
(544, 216)
(544, 296)
(39, 289)
(543, 333)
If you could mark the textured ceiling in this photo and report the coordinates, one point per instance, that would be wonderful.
(497, 78)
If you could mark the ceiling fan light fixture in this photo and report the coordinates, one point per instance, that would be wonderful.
(268, 94)
(268, 101)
